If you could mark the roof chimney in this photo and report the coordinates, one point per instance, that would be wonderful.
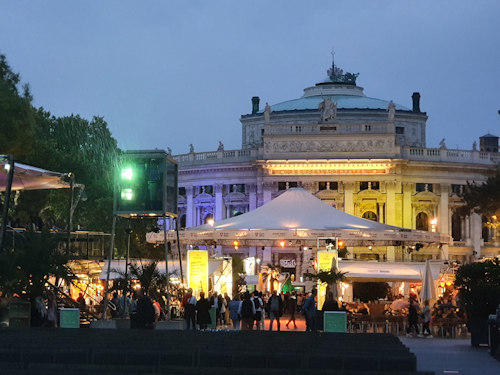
(255, 104)
(416, 101)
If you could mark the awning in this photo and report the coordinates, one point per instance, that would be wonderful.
(27, 177)
(118, 267)
(366, 271)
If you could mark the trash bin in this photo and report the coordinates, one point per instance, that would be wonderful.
(19, 314)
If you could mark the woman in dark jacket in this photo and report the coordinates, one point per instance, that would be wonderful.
(203, 311)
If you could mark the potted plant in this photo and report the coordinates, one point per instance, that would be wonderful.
(479, 295)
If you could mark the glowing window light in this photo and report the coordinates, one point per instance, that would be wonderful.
(127, 173)
(127, 194)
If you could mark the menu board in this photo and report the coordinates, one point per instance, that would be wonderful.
(335, 321)
(198, 271)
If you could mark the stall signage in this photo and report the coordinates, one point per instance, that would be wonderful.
(287, 263)
(326, 259)
(198, 270)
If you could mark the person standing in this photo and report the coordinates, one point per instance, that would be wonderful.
(189, 305)
(257, 301)
(426, 315)
(214, 302)
(309, 310)
(292, 309)
(203, 312)
(246, 312)
(145, 311)
(233, 308)
(51, 310)
(275, 308)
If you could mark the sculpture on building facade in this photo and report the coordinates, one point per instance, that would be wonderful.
(328, 109)
(221, 146)
(191, 148)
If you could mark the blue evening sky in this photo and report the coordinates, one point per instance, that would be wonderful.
(170, 73)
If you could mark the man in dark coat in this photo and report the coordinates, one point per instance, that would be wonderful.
(145, 313)
(203, 311)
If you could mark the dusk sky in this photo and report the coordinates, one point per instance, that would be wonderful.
(170, 73)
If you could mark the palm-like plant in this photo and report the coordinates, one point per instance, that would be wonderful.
(331, 278)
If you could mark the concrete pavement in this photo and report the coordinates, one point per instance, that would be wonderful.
(451, 356)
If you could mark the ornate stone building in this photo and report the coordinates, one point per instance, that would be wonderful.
(365, 156)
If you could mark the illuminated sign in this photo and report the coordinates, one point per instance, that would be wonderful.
(198, 270)
(326, 261)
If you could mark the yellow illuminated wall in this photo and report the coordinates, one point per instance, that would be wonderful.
(198, 271)
(325, 260)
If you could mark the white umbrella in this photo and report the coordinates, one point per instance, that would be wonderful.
(399, 304)
(428, 291)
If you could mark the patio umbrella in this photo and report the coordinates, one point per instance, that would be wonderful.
(399, 304)
(428, 291)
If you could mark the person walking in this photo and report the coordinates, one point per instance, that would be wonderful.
(292, 309)
(203, 312)
(275, 308)
(412, 317)
(309, 311)
(247, 313)
(233, 308)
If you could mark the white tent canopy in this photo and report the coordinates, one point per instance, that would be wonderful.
(369, 271)
(27, 177)
(300, 218)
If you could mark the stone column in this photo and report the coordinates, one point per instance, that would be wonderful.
(189, 206)
(220, 208)
(390, 205)
(267, 192)
(348, 197)
(390, 214)
(476, 233)
(444, 216)
(407, 208)
(267, 255)
(252, 198)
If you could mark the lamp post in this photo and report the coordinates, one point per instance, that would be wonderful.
(10, 167)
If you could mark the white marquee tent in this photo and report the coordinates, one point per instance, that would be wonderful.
(298, 217)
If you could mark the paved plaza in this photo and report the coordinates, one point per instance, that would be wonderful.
(451, 356)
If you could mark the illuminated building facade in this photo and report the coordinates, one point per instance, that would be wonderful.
(365, 156)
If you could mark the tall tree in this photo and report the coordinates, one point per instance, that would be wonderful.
(484, 198)
(16, 115)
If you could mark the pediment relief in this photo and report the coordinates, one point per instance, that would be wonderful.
(203, 198)
(425, 195)
(235, 197)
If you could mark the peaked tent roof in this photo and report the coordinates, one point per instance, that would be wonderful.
(27, 177)
(297, 215)
(298, 209)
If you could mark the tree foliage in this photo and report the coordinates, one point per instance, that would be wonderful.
(26, 268)
(483, 198)
(479, 287)
(16, 115)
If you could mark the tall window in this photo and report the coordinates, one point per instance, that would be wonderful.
(456, 227)
(323, 185)
(370, 215)
(422, 221)
(287, 185)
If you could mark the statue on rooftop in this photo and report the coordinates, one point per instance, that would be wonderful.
(267, 112)
(169, 151)
(392, 111)
(474, 146)
(191, 148)
(221, 146)
(442, 145)
(328, 109)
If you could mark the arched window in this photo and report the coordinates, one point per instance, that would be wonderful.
(422, 221)
(456, 227)
(370, 215)
(182, 221)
